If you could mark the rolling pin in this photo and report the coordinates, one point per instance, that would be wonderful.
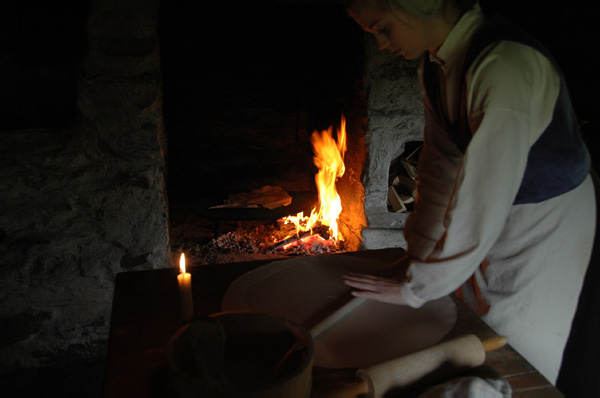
(437, 362)
(329, 322)
(324, 326)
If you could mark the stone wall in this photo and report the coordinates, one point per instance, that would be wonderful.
(84, 202)
(395, 113)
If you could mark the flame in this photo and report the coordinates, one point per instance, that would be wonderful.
(182, 263)
(329, 159)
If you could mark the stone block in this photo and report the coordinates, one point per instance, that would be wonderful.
(376, 238)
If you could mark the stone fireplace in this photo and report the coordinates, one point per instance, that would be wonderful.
(239, 112)
(86, 197)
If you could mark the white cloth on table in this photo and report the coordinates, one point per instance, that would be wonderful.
(470, 387)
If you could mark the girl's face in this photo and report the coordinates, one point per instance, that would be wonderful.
(400, 32)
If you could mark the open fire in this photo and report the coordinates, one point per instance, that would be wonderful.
(317, 233)
(321, 227)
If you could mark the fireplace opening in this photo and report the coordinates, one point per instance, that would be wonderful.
(244, 88)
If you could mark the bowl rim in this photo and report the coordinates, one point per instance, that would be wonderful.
(307, 363)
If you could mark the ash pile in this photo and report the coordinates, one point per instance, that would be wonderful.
(255, 241)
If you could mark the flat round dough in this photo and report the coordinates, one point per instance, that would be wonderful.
(305, 289)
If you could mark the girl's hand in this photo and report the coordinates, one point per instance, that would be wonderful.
(385, 286)
(375, 287)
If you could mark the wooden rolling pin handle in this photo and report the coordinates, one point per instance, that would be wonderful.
(360, 387)
(494, 343)
(441, 360)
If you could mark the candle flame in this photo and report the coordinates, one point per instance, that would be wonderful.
(182, 263)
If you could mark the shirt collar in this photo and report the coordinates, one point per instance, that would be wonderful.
(457, 41)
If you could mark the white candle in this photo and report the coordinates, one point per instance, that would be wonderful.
(185, 291)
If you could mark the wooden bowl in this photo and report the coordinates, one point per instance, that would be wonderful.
(255, 345)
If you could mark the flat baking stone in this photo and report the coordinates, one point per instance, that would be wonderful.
(303, 289)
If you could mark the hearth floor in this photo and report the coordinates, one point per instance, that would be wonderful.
(190, 233)
(194, 235)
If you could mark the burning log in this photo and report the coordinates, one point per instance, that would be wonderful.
(288, 241)
(313, 245)
(320, 231)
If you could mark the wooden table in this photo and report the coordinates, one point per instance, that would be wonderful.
(145, 316)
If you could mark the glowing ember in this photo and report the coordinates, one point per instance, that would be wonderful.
(329, 159)
(309, 244)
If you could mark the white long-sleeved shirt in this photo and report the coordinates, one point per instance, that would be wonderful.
(465, 213)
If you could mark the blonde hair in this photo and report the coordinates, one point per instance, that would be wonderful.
(419, 8)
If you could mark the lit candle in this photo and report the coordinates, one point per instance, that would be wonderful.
(185, 291)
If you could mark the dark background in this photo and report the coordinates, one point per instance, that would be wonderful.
(211, 48)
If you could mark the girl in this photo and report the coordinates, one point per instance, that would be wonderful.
(506, 204)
